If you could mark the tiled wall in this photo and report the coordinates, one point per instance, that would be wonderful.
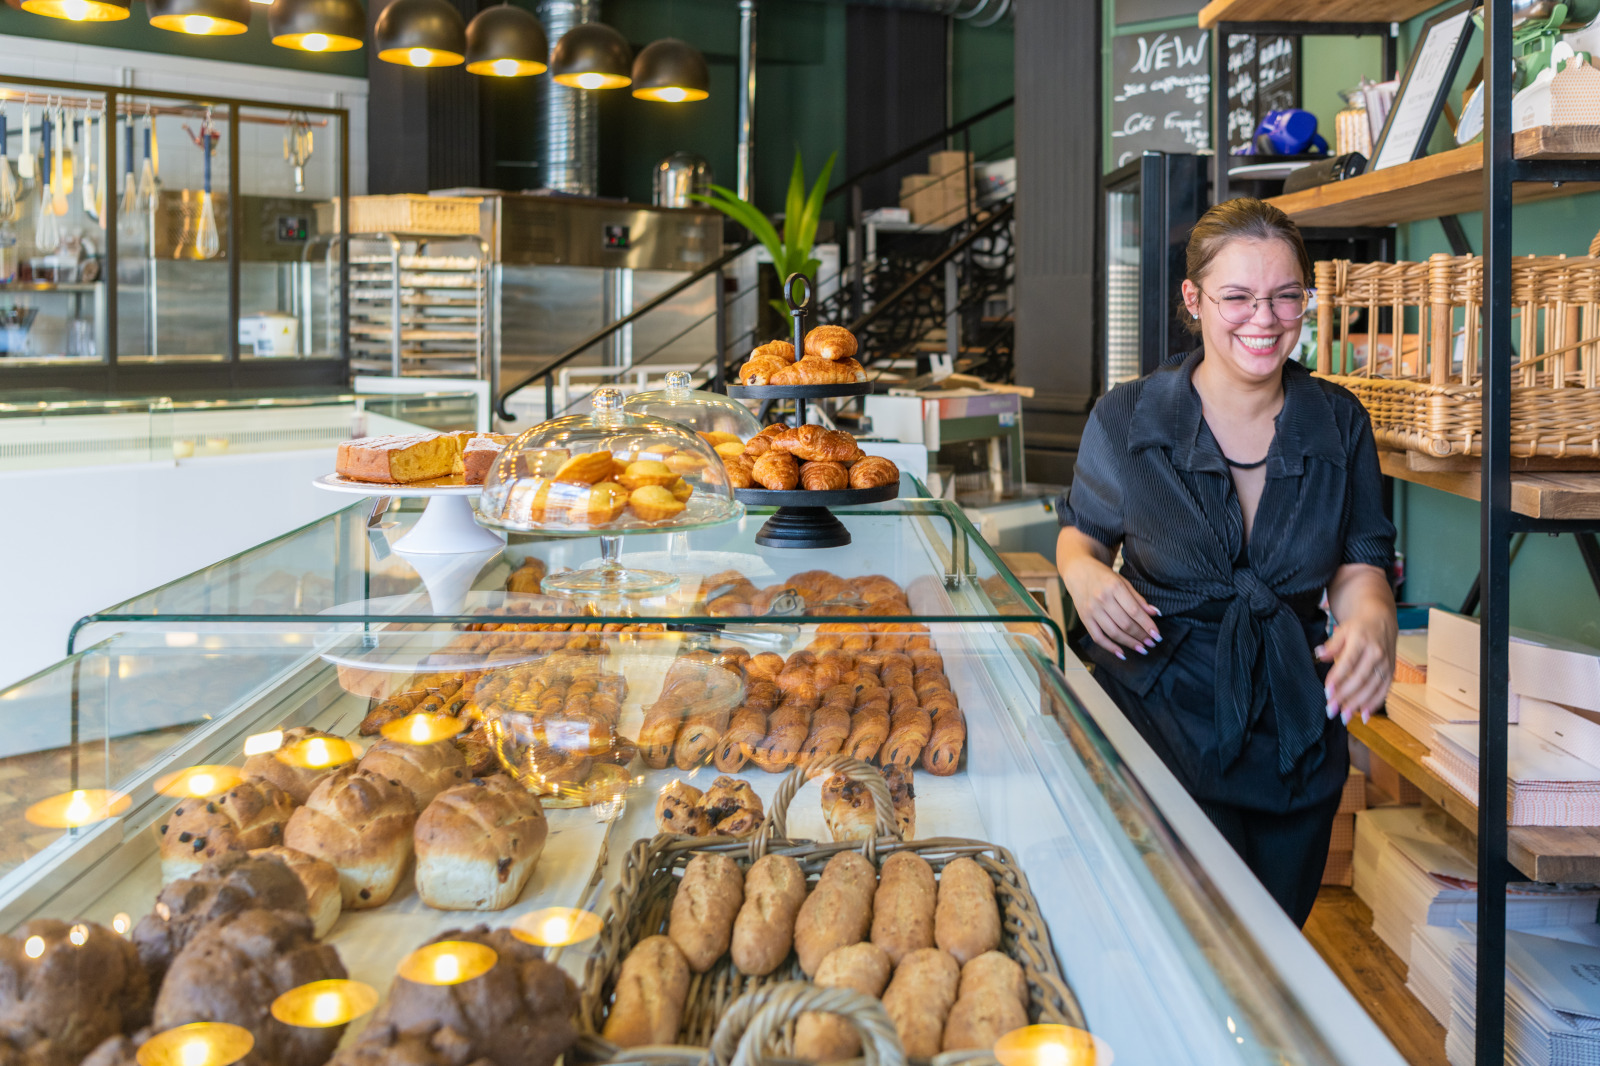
(261, 161)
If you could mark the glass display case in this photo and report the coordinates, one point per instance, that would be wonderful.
(913, 648)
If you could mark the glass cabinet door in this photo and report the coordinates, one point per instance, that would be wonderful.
(52, 226)
(1122, 283)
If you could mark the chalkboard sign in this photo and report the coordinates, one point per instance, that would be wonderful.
(1263, 76)
(1132, 11)
(1160, 93)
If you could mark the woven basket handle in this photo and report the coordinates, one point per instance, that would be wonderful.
(1594, 246)
(756, 1020)
(777, 823)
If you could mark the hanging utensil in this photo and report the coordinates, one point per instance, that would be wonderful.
(46, 236)
(297, 146)
(8, 184)
(100, 167)
(147, 171)
(207, 242)
(25, 160)
(69, 153)
(58, 194)
(87, 178)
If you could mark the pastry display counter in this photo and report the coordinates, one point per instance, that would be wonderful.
(321, 649)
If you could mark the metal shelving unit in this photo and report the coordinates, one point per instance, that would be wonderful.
(415, 313)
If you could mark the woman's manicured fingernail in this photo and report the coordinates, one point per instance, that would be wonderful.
(1333, 705)
(1155, 637)
(1140, 648)
(1331, 711)
(1327, 690)
(1317, 651)
(1157, 610)
(1366, 716)
(1121, 656)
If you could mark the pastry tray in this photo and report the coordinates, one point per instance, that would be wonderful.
(817, 498)
(801, 392)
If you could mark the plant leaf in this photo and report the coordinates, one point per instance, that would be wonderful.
(811, 213)
(747, 216)
(794, 204)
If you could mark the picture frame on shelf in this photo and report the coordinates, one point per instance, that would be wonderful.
(1429, 75)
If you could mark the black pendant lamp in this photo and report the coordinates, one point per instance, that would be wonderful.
(592, 56)
(421, 33)
(317, 25)
(78, 10)
(672, 71)
(507, 42)
(201, 18)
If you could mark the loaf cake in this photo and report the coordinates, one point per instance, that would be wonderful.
(477, 845)
(361, 824)
(397, 459)
(478, 455)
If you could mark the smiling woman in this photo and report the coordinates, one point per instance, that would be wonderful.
(1239, 489)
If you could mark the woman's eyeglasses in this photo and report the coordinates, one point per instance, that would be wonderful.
(1238, 308)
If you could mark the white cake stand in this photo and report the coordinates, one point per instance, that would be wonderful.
(446, 526)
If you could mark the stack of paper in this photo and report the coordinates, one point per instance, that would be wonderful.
(1412, 878)
(1572, 729)
(1418, 708)
(1547, 786)
(1552, 1000)
(1430, 978)
(1411, 658)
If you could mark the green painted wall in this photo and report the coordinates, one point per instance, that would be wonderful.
(1551, 591)
(135, 32)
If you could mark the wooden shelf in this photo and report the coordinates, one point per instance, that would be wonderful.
(1447, 183)
(1311, 11)
(1543, 853)
(1552, 494)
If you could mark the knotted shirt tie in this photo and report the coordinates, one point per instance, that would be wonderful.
(1257, 623)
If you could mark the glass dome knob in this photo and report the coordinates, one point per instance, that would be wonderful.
(679, 381)
(607, 404)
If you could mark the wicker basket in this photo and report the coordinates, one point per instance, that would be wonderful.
(641, 904)
(1423, 403)
(431, 216)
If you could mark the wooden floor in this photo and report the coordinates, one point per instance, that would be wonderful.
(1340, 928)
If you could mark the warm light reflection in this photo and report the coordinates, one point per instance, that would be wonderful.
(262, 743)
(197, 1044)
(671, 94)
(199, 24)
(318, 753)
(78, 935)
(322, 1004)
(556, 926)
(198, 782)
(181, 640)
(449, 962)
(507, 68)
(81, 807)
(419, 57)
(121, 924)
(1051, 1045)
(591, 81)
(76, 10)
(314, 42)
(33, 947)
(423, 728)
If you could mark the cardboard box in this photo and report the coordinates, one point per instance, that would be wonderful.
(1340, 867)
(912, 184)
(1344, 833)
(936, 201)
(1575, 731)
(1386, 779)
(1453, 657)
(1560, 671)
(1354, 797)
(942, 163)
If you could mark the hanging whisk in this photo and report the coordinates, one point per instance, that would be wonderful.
(207, 243)
(147, 170)
(8, 184)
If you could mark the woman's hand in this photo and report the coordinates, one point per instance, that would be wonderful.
(1362, 647)
(1115, 615)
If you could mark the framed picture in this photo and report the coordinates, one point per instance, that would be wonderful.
(1422, 92)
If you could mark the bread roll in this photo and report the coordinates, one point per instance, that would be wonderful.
(919, 999)
(83, 989)
(862, 968)
(967, 920)
(838, 912)
(423, 770)
(733, 808)
(763, 932)
(648, 1008)
(298, 781)
(477, 845)
(902, 909)
(319, 879)
(233, 970)
(233, 883)
(361, 824)
(252, 814)
(993, 1000)
(704, 908)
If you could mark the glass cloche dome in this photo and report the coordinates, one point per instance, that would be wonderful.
(707, 413)
(605, 473)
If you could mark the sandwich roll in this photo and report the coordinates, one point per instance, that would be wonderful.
(967, 920)
(703, 911)
(651, 989)
(903, 908)
(821, 1037)
(763, 933)
(919, 998)
(838, 912)
(993, 1000)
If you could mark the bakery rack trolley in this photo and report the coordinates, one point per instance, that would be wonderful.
(415, 312)
(805, 518)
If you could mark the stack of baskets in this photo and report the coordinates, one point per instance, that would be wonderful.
(1421, 398)
(722, 1001)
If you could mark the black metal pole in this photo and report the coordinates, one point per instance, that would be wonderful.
(235, 243)
(721, 341)
(113, 173)
(1494, 537)
(1219, 111)
(858, 268)
(344, 241)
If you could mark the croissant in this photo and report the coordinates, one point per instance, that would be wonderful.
(656, 735)
(830, 342)
(927, 659)
(824, 477)
(762, 695)
(776, 470)
(909, 727)
(740, 470)
(942, 700)
(747, 729)
(928, 682)
(761, 369)
(873, 471)
(868, 730)
(796, 675)
(889, 642)
(781, 746)
(814, 443)
(830, 726)
(764, 667)
(778, 350)
(819, 372)
(943, 751)
(697, 740)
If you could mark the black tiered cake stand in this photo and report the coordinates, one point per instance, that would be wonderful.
(804, 518)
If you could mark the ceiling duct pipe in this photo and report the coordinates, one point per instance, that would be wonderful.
(568, 148)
